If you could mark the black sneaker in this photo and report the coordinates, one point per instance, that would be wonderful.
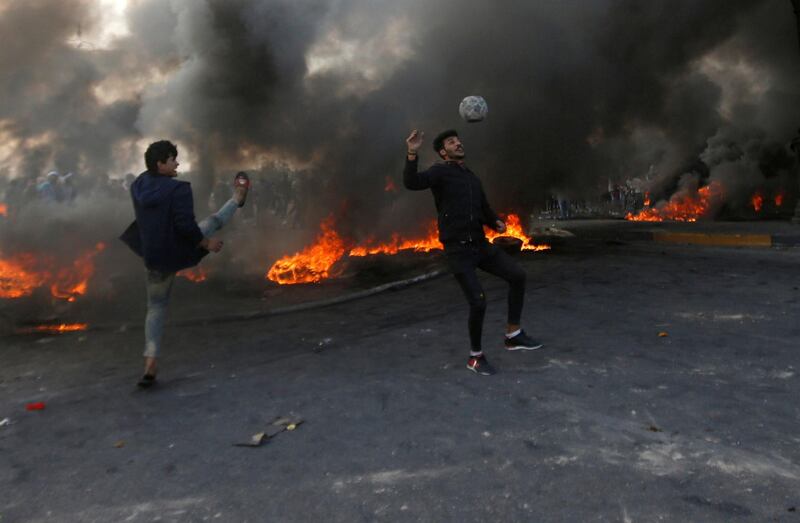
(147, 381)
(522, 342)
(480, 365)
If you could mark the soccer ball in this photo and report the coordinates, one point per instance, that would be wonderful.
(473, 109)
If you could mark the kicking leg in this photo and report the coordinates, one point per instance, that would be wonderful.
(219, 219)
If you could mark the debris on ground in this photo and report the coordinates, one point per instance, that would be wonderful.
(662, 334)
(279, 425)
(5, 422)
(322, 344)
(36, 405)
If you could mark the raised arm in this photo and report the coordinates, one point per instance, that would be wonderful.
(412, 179)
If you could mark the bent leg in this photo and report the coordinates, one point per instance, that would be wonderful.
(504, 266)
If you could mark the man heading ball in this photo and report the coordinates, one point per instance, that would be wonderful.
(463, 210)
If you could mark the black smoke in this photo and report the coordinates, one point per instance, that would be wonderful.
(579, 92)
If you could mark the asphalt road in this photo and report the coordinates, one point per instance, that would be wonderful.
(667, 391)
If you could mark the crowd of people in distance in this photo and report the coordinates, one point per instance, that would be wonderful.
(55, 188)
(274, 194)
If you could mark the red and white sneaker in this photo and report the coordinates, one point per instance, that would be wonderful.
(480, 365)
(242, 180)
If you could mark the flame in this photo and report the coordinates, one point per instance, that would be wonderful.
(757, 201)
(71, 282)
(426, 243)
(514, 228)
(194, 274)
(647, 199)
(681, 207)
(17, 279)
(779, 199)
(64, 327)
(431, 240)
(313, 263)
(3, 209)
(23, 273)
(389, 186)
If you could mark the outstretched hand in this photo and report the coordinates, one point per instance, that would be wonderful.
(414, 140)
(211, 244)
(214, 244)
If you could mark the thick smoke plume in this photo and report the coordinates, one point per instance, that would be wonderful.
(579, 93)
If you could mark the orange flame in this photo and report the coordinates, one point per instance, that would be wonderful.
(431, 240)
(72, 282)
(17, 279)
(3, 209)
(389, 186)
(426, 243)
(312, 264)
(779, 199)
(681, 207)
(757, 201)
(194, 274)
(647, 199)
(514, 228)
(23, 273)
(64, 327)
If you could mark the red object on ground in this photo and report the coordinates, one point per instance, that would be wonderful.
(39, 405)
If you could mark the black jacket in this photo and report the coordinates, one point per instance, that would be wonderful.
(460, 201)
(165, 232)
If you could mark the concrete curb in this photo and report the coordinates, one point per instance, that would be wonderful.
(714, 239)
(708, 239)
(254, 315)
(785, 240)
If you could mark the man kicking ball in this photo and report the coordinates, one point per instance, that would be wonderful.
(167, 236)
(462, 211)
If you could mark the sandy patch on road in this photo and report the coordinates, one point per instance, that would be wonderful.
(181, 509)
(391, 477)
(719, 316)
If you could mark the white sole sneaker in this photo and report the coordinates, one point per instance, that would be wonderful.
(523, 347)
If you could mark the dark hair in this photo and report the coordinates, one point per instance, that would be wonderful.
(159, 152)
(438, 142)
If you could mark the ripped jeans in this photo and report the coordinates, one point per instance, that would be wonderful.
(463, 259)
(159, 284)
